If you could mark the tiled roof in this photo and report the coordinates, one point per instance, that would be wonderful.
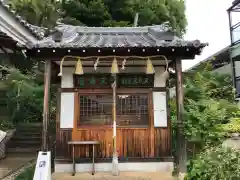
(34, 30)
(103, 37)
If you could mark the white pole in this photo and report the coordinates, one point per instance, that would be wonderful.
(115, 170)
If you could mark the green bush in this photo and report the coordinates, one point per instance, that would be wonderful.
(233, 126)
(27, 174)
(5, 125)
(23, 97)
(208, 104)
(216, 163)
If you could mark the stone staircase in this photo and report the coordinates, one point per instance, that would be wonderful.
(27, 139)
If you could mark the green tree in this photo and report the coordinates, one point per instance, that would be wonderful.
(38, 12)
(91, 13)
(122, 12)
(208, 103)
(22, 97)
(160, 11)
(103, 12)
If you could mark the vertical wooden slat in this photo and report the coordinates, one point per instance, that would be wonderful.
(76, 116)
(58, 96)
(125, 143)
(151, 120)
(63, 136)
(169, 124)
(133, 143)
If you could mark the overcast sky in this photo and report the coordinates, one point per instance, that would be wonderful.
(208, 22)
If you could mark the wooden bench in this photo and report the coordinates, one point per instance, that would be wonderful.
(74, 143)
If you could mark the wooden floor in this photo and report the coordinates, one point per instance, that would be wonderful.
(108, 176)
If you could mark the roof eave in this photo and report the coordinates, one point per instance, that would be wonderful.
(235, 3)
(13, 27)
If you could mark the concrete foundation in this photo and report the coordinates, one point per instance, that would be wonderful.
(124, 167)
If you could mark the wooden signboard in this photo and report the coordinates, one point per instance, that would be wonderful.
(93, 81)
(105, 81)
(135, 81)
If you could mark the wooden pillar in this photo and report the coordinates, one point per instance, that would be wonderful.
(181, 156)
(46, 116)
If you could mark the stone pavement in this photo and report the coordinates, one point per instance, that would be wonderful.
(13, 162)
(108, 176)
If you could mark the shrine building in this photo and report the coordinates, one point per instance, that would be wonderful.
(113, 95)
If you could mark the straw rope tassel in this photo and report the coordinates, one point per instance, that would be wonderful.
(150, 68)
(114, 69)
(79, 68)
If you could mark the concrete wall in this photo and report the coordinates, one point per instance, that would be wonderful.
(235, 50)
(235, 53)
(224, 69)
(124, 167)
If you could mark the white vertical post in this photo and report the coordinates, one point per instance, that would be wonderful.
(115, 170)
(43, 166)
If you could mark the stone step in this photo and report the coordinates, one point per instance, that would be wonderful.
(27, 138)
(23, 150)
(29, 127)
(24, 137)
(35, 130)
(28, 133)
(4, 116)
(24, 125)
(24, 144)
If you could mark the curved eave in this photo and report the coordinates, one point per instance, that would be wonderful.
(14, 28)
(30, 28)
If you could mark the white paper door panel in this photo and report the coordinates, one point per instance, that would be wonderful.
(160, 109)
(67, 110)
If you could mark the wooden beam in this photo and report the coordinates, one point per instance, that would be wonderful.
(46, 116)
(58, 53)
(181, 157)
